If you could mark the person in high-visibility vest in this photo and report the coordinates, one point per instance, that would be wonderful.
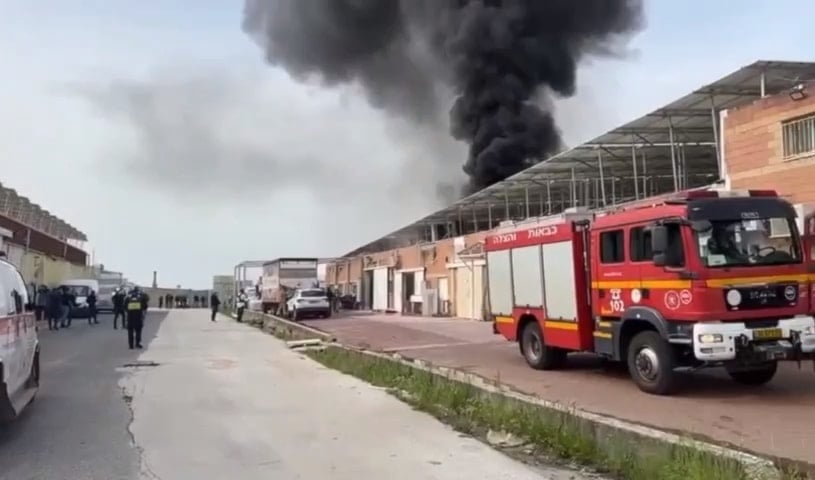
(243, 301)
(135, 307)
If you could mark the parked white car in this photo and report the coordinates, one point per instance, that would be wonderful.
(308, 302)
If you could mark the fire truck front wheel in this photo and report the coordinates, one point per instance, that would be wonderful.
(754, 376)
(651, 363)
(537, 354)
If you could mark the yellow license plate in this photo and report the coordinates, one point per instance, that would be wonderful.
(767, 334)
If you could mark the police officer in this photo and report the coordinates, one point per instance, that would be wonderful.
(135, 307)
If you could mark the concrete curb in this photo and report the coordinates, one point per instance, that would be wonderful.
(756, 468)
(280, 327)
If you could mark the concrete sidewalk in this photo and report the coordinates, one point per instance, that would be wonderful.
(224, 400)
(770, 420)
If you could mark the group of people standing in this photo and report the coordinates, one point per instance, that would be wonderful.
(57, 305)
(181, 301)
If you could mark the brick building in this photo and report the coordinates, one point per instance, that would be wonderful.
(754, 128)
(433, 278)
(770, 143)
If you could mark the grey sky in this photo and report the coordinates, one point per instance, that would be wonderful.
(164, 136)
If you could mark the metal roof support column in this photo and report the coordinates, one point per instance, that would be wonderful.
(593, 188)
(549, 197)
(614, 190)
(714, 120)
(460, 223)
(540, 210)
(573, 190)
(602, 178)
(763, 84)
(489, 216)
(679, 165)
(634, 166)
(526, 201)
(644, 172)
(673, 154)
(475, 220)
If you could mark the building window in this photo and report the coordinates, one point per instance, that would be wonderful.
(798, 137)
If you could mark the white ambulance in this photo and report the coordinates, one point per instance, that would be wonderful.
(19, 345)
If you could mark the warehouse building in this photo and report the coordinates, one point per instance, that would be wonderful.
(754, 128)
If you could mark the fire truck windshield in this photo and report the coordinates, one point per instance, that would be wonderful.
(761, 241)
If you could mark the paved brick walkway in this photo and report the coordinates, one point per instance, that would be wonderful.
(772, 420)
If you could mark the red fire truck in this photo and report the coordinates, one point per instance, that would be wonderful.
(702, 279)
(808, 240)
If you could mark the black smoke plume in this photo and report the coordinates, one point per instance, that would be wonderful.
(500, 58)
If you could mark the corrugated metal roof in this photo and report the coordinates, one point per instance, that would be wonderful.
(21, 209)
(673, 147)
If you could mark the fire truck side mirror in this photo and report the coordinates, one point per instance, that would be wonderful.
(660, 259)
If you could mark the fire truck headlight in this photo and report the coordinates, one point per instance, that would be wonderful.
(711, 338)
(733, 298)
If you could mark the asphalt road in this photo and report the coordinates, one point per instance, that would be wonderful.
(223, 400)
(77, 428)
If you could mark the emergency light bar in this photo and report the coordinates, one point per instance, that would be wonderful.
(729, 193)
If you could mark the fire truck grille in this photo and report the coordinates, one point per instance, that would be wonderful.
(753, 298)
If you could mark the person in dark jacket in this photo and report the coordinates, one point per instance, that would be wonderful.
(91, 300)
(214, 303)
(54, 310)
(119, 308)
(41, 303)
(68, 303)
(332, 299)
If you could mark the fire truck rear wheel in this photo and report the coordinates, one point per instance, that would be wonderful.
(651, 363)
(535, 351)
(756, 376)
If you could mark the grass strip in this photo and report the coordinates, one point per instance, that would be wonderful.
(549, 433)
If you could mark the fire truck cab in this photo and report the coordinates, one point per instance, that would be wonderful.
(703, 279)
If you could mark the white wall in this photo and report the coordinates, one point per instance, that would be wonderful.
(321, 269)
